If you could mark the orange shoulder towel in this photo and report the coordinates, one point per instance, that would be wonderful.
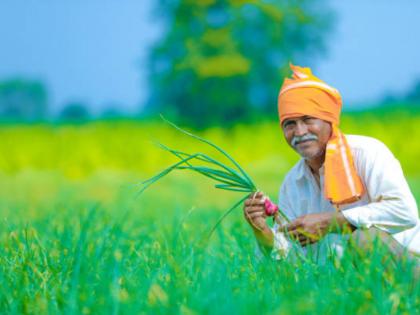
(306, 95)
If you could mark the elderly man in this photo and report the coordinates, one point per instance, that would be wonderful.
(342, 183)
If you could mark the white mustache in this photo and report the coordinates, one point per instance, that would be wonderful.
(297, 139)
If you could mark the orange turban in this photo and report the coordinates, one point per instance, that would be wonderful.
(306, 95)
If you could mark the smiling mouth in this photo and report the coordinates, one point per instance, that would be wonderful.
(305, 141)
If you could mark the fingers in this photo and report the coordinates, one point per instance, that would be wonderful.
(254, 215)
(256, 195)
(296, 235)
(256, 219)
(254, 201)
(304, 238)
(254, 210)
(292, 226)
(303, 241)
(251, 209)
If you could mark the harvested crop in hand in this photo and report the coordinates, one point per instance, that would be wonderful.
(270, 207)
(230, 177)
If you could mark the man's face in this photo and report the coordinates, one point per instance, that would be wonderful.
(307, 135)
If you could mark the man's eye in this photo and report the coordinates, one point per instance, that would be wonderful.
(308, 119)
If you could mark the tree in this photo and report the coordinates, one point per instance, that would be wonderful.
(409, 99)
(23, 100)
(74, 112)
(413, 95)
(219, 61)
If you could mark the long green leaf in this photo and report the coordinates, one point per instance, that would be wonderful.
(206, 158)
(230, 170)
(219, 179)
(232, 187)
(166, 171)
(214, 146)
(226, 214)
(231, 174)
(177, 153)
(221, 174)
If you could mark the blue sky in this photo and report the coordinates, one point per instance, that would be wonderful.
(375, 49)
(94, 51)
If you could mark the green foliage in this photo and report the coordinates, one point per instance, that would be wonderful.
(23, 100)
(90, 262)
(80, 151)
(74, 112)
(219, 61)
(410, 98)
(74, 239)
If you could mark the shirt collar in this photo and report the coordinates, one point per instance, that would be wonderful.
(301, 169)
(304, 170)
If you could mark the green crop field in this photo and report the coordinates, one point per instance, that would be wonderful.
(75, 238)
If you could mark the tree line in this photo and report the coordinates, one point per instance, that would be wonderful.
(216, 62)
(25, 100)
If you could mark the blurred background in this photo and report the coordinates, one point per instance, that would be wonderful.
(208, 62)
(82, 85)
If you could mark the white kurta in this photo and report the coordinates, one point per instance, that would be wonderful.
(387, 204)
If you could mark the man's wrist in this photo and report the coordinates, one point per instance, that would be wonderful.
(265, 237)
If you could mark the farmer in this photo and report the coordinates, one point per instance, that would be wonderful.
(342, 183)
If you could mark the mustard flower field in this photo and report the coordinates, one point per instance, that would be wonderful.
(77, 239)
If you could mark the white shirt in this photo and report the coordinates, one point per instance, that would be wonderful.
(387, 204)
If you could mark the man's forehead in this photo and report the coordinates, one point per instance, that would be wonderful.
(298, 118)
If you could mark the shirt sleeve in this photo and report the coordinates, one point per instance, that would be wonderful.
(392, 207)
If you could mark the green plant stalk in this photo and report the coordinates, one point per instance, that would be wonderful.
(214, 146)
(219, 175)
(228, 178)
(205, 158)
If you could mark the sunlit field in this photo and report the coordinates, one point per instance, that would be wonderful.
(75, 238)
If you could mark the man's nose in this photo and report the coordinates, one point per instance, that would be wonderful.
(301, 128)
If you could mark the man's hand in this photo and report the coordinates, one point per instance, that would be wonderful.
(310, 228)
(254, 211)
